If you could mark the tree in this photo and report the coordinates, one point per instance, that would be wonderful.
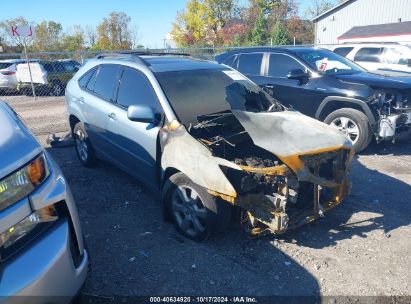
(91, 35)
(218, 13)
(319, 6)
(48, 36)
(279, 34)
(113, 33)
(74, 41)
(135, 37)
(300, 30)
(259, 35)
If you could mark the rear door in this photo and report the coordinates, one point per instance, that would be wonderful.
(96, 103)
(251, 65)
(290, 92)
(135, 142)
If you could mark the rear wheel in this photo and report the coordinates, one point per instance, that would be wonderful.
(194, 211)
(354, 124)
(57, 89)
(82, 144)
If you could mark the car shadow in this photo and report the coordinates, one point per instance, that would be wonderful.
(381, 200)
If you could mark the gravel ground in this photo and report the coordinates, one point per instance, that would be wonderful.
(361, 248)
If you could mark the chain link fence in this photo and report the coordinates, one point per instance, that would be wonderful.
(34, 85)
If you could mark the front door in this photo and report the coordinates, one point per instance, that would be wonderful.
(135, 142)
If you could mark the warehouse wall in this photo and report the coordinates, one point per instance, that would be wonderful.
(360, 13)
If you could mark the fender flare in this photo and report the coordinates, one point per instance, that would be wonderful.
(359, 102)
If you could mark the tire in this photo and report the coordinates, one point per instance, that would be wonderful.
(82, 144)
(57, 89)
(354, 124)
(196, 213)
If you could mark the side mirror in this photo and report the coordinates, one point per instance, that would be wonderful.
(298, 74)
(142, 114)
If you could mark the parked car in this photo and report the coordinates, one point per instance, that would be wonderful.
(208, 139)
(330, 88)
(42, 251)
(377, 56)
(49, 77)
(8, 81)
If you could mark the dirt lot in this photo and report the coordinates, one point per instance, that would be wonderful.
(361, 248)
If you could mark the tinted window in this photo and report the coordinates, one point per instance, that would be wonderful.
(250, 64)
(343, 51)
(83, 81)
(231, 61)
(48, 67)
(135, 89)
(368, 54)
(92, 81)
(281, 65)
(69, 67)
(106, 81)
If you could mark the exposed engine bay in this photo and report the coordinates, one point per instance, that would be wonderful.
(273, 195)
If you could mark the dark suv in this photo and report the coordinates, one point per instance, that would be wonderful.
(329, 87)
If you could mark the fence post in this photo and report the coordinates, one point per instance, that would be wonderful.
(31, 77)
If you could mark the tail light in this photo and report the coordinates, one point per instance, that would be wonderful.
(7, 73)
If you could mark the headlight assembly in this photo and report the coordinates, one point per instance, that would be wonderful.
(21, 183)
(15, 237)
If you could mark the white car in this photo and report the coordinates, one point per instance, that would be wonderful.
(377, 56)
(8, 80)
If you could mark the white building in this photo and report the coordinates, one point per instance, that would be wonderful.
(365, 21)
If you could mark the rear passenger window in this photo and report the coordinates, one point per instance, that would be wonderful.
(368, 54)
(106, 81)
(136, 89)
(83, 81)
(231, 61)
(280, 65)
(343, 51)
(250, 63)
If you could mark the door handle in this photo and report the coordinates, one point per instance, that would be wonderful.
(80, 100)
(112, 116)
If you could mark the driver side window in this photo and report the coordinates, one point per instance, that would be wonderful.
(280, 65)
(136, 89)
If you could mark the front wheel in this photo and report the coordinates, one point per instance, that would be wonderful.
(57, 89)
(195, 212)
(354, 124)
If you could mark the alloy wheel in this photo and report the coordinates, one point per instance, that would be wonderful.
(189, 211)
(81, 145)
(348, 127)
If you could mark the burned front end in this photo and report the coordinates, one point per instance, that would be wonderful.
(282, 169)
(393, 110)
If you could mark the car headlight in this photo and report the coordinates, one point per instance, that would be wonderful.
(384, 98)
(21, 183)
(15, 237)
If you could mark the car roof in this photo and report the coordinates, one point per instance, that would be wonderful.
(12, 60)
(160, 64)
(285, 49)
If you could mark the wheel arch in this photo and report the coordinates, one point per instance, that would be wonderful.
(332, 103)
(73, 120)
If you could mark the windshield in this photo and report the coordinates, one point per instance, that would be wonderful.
(194, 94)
(328, 63)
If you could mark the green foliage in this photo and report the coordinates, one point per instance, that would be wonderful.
(113, 33)
(48, 36)
(279, 34)
(259, 34)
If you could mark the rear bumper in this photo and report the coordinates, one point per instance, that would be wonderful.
(44, 271)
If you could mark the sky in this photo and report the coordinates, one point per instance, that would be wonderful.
(153, 18)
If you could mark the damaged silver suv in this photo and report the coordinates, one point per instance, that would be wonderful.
(208, 139)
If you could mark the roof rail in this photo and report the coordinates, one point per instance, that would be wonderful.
(138, 54)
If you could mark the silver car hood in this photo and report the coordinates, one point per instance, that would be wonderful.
(17, 144)
(289, 133)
